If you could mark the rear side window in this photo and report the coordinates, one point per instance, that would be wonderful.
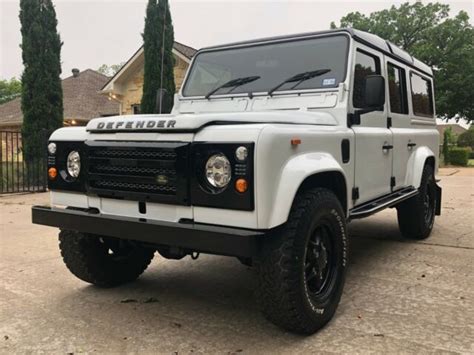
(397, 89)
(365, 65)
(421, 96)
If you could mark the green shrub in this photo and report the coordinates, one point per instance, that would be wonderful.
(459, 156)
(466, 139)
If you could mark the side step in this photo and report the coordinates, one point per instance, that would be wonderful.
(390, 200)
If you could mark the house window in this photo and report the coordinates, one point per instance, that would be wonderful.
(421, 96)
(397, 89)
(136, 109)
(366, 64)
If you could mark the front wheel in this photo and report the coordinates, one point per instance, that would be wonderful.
(103, 261)
(416, 215)
(303, 267)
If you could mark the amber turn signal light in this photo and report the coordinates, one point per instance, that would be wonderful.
(295, 142)
(241, 185)
(52, 173)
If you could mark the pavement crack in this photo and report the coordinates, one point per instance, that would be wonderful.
(422, 243)
(448, 246)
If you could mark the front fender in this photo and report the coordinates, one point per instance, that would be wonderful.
(416, 163)
(295, 171)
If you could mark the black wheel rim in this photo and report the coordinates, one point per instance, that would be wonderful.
(428, 206)
(319, 261)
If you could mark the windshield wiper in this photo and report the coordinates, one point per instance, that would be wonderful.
(300, 78)
(234, 83)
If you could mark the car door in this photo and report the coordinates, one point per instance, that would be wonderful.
(373, 140)
(403, 135)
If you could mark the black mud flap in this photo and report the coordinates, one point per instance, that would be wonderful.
(438, 200)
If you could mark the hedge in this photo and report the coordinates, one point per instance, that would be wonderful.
(459, 156)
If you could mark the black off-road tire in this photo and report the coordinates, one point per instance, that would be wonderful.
(103, 261)
(284, 292)
(416, 215)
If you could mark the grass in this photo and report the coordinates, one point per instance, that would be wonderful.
(470, 163)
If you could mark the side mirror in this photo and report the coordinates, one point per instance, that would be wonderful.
(374, 91)
(374, 97)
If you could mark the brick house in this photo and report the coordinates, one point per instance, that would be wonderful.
(456, 128)
(81, 100)
(126, 86)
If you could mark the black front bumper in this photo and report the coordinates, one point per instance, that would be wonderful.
(191, 236)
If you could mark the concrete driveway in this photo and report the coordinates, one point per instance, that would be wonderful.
(400, 296)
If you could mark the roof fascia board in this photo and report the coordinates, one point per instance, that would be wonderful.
(181, 55)
(108, 87)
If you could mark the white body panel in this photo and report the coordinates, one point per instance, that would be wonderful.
(319, 151)
(408, 129)
(107, 206)
(373, 164)
(318, 118)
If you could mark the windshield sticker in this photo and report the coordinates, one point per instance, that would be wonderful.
(330, 81)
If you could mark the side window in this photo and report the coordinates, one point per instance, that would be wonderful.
(397, 89)
(365, 65)
(421, 96)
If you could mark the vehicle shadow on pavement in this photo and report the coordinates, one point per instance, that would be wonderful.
(372, 240)
(212, 295)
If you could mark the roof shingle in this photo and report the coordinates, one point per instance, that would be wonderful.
(81, 100)
(189, 52)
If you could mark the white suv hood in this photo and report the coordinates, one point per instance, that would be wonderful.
(194, 122)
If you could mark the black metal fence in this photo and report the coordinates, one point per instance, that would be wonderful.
(16, 174)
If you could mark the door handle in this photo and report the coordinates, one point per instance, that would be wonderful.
(411, 145)
(387, 147)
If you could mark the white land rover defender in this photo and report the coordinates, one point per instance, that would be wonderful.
(272, 146)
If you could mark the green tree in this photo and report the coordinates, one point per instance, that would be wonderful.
(466, 139)
(110, 70)
(426, 32)
(42, 96)
(9, 89)
(158, 38)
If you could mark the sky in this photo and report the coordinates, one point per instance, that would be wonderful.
(109, 31)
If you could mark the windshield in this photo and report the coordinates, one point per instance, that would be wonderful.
(273, 63)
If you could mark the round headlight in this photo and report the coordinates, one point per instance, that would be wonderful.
(74, 164)
(218, 171)
(52, 148)
(241, 153)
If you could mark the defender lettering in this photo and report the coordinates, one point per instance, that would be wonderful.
(132, 125)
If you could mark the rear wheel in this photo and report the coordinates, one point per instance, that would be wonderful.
(302, 271)
(103, 261)
(416, 215)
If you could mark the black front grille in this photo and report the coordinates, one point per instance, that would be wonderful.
(138, 154)
(139, 171)
(131, 186)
